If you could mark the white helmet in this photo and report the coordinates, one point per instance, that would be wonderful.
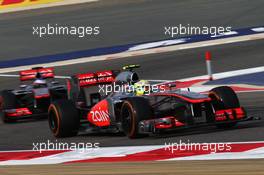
(39, 81)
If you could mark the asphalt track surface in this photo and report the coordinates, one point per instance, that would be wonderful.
(121, 22)
(164, 66)
(119, 18)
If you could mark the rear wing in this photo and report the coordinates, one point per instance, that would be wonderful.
(90, 79)
(31, 74)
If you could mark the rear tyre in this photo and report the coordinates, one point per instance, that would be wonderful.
(7, 101)
(133, 111)
(63, 118)
(224, 97)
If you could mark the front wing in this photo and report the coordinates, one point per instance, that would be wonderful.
(171, 122)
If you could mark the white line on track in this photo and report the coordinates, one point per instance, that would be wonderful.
(139, 52)
(219, 75)
(229, 73)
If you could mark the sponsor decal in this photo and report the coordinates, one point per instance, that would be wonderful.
(99, 114)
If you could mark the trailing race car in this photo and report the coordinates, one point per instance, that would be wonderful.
(88, 109)
(33, 97)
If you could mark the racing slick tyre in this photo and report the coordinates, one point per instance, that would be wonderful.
(133, 111)
(7, 101)
(63, 118)
(224, 97)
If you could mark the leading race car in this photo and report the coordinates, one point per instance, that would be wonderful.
(87, 108)
(33, 97)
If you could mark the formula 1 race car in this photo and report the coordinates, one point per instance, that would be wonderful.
(88, 110)
(33, 97)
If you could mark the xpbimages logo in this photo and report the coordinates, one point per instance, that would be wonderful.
(49, 145)
(174, 31)
(192, 147)
(79, 31)
(126, 88)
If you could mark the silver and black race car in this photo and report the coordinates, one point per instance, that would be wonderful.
(87, 109)
(33, 97)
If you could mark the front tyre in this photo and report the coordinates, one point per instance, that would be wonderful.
(224, 97)
(133, 111)
(63, 118)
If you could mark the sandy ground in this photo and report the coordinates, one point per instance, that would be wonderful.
(215, 167)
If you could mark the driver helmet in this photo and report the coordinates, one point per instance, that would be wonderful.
(39, 81)
(142, 87)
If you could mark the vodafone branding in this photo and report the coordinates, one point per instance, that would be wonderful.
(99, 115)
